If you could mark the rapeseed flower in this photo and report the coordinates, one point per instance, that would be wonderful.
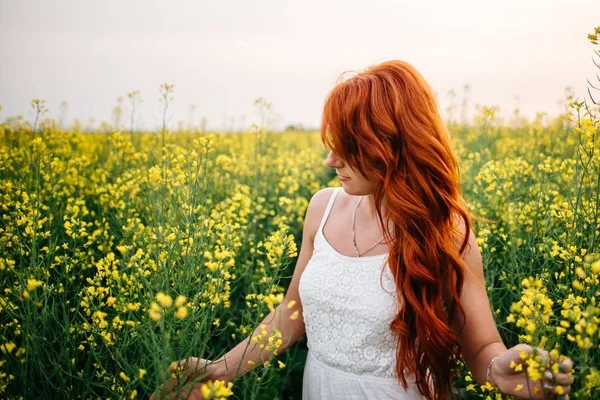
(216, 390)
(164, 300)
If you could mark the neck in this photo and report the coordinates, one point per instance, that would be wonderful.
(368, 202)
(370, 209)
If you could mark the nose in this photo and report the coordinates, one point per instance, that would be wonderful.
(333, 161)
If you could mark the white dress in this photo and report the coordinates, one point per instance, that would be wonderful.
(347, 313)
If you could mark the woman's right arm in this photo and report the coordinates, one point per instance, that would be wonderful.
(286, 317)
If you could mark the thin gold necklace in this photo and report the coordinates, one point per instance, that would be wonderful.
(353, 236)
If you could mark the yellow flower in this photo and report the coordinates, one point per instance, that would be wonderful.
(216, 389)
(515, 366)
(154, 174)
(32, 284)
(181, 313)
(164, 299)
(559, 389)
(123, 376)
(206, 393)
(577, 285)
(155, 312)
(142, 373)
(8, 347)
(281, 365)
(180, 300)
(596, 267)
(155, 316)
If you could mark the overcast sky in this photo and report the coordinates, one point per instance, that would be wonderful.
(222, 55)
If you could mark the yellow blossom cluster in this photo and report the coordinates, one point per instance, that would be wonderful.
(533, 311)
(278, 246)
(165, 301)
(594, 37)
(273, 340)
(216, 390)
(580, 323)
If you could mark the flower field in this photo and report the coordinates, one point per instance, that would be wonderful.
(122, 252)
(120, 255)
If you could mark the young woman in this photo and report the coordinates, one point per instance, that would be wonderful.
(389, 283)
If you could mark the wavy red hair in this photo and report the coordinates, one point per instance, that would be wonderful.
(385, 123)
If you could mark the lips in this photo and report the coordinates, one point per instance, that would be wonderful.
(342, 176)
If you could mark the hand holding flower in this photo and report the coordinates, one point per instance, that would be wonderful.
(533, 373)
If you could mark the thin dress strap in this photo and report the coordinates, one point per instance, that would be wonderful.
(328, 209)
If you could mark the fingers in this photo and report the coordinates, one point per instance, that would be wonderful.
(565, 366)
(559, 373)
(568, 364)
(550, 383)
(523, 347)
(552, 380)
(564, 379)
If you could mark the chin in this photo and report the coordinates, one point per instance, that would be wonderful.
(351, 191)
(357, 191)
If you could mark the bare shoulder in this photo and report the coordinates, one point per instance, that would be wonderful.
(316, 210)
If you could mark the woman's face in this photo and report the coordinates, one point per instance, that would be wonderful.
(352, 181)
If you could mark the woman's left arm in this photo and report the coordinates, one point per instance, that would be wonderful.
(480, 341)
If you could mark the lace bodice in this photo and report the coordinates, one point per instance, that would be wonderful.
(347, 310)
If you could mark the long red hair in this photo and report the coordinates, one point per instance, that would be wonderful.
(385, 123)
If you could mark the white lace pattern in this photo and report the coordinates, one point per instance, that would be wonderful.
(347, 312)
